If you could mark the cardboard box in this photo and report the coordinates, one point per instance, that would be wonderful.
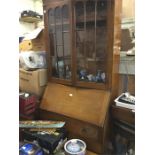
(33, 41)
(33, 81)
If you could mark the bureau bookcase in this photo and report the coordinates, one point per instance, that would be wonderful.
(82, 40)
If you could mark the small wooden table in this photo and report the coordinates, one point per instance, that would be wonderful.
(123, 114)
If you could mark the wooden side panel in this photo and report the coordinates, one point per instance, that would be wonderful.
(84, 104)
(117, 4)
(46, 39)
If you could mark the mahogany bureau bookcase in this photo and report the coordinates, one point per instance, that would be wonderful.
(82, 40)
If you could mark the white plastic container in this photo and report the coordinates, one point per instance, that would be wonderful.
(75, 147)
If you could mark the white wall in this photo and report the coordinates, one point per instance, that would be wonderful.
(34, 5)
(25, 28)
(128, 9)
(38, 6)
(25, 5)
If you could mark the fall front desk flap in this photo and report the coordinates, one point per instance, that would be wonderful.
(88, 105)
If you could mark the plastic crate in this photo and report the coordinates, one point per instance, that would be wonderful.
(27, 105)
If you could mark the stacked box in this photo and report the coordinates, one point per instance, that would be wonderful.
(33, 81)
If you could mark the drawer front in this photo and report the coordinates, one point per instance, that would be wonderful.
(84, 130)
(91, 134)
(79, 128)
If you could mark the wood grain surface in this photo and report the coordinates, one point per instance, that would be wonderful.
(83, 104)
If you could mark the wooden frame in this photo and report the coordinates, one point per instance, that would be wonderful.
(112, 50)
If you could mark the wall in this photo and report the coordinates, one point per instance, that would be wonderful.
(34, 5)
(38, 6)
(26, 5)
(128, 9)
(127, 64)
(25, 28)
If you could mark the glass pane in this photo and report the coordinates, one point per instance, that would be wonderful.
(65, 13)
(90, 12)
(60, 51)
(101, 39)
(67, 45)
(80, 44)
(51, 20)
(79, 15)
(58, 16)
(101, 31)
(58, 67)
(54, 66)
(68, 68)
(66, 42)
(90, 29)
(59, 34)
(91, 40)
(101, 44)
(102, 8)
(51, 30)
(51, 16)
(101, 13)
(52, 44)
(85, 41)
(80, 33)
(90, 43)
(66, 27)
(57, 59)
(101, 72)
(60, 42)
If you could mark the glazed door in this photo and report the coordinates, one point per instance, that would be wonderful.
(91, 41)
(59, 42)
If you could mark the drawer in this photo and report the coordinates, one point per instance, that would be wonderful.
(91, 134)
(76, 127)
(84, 130)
